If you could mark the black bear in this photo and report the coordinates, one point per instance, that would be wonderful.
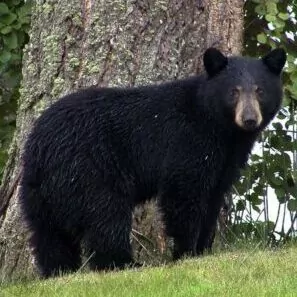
(95, 154)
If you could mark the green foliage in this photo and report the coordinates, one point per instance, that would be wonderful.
(270, 24)
(14, 26)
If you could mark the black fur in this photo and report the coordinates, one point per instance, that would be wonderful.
(275, 60)
(214, 61)
(95, 154)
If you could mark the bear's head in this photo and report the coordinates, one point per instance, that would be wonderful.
(246, 91)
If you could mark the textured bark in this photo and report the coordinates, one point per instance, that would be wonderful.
(77, 43)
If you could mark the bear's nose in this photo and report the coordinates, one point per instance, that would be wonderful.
(250, 124)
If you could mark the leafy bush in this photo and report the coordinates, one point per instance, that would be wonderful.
(14, 26)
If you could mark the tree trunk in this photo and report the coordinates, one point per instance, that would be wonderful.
(79, 43)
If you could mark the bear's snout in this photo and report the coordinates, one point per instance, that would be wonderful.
(248, 114)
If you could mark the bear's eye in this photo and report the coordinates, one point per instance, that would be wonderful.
(259, 91)
(235, 93)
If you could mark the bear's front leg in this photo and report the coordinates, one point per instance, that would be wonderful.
(182, 216)
(208, 226)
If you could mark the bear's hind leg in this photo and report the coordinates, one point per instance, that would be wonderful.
(54, 251)
(108, 238)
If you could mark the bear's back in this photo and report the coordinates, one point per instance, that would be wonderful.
(117, 132)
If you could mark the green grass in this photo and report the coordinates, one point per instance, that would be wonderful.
(240, 273)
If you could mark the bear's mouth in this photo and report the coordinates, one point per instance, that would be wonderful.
(250, 125)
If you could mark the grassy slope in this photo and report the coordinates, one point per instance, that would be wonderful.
(252, 273)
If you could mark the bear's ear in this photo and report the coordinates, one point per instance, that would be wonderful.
(214, 61)
(275, 60)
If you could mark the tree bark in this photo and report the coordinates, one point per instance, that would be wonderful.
(78, 43)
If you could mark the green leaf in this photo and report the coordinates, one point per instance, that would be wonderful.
(271, 8)
(255, 158)
(292, 205)
(24, 13)
(240, 206)
(286, 162)
(3, 8)
(262, 38)
(260, 9)
(294, 145)
(275, 141)
(270, 18)
(17, 26)
(282, 199)
(8, 18)
(256, 208)
(15, 2)
(275, 181)
(282, 115)
(11, 40)
(6, 30)
(279, 24)
(283, 16)
(5, 56)
(277, 126)
(293, 75)
(280, 192)
(21, 37)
